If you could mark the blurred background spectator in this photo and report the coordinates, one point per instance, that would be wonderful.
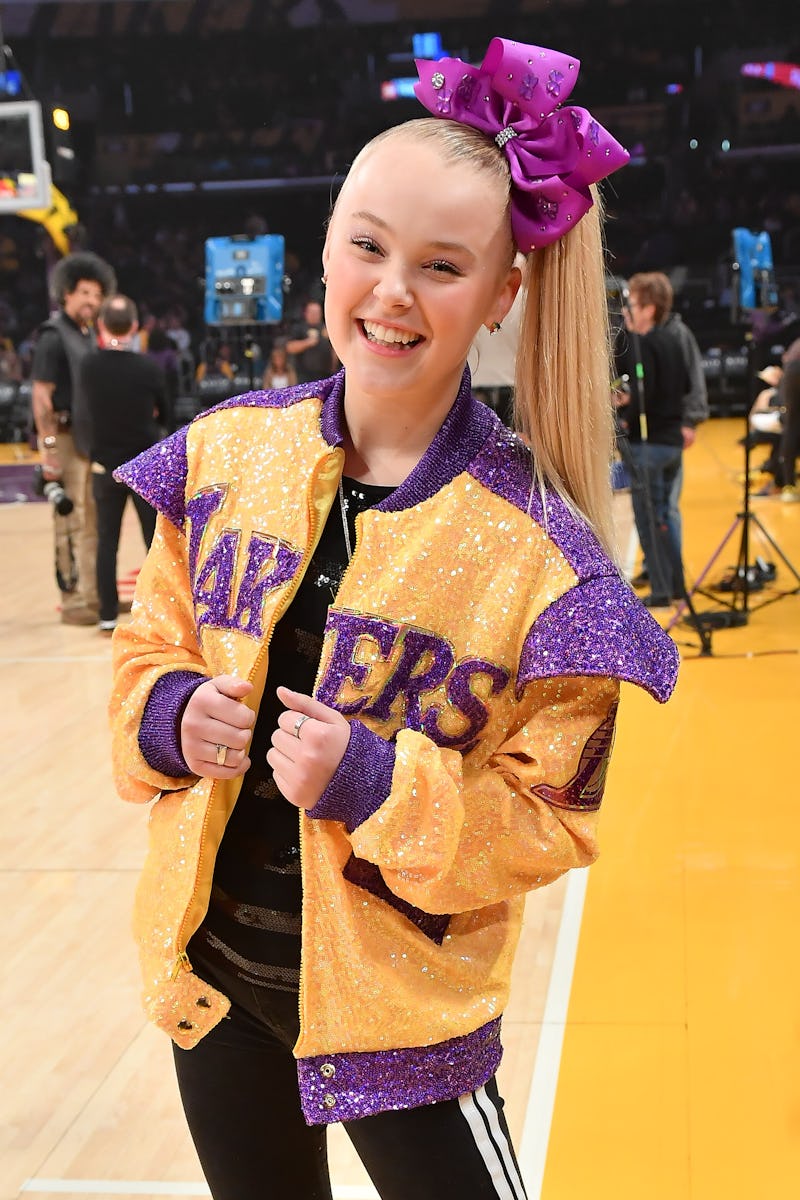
(193, 119)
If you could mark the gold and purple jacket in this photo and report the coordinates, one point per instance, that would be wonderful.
(476, 648)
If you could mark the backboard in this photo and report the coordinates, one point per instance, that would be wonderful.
(24, 172)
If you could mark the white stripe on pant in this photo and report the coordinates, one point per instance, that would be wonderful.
(481, 1116)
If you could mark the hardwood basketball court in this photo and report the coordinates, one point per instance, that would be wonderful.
(652, 1039)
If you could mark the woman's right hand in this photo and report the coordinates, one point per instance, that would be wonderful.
(216, 717)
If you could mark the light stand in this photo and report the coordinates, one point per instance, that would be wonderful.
(752, 289)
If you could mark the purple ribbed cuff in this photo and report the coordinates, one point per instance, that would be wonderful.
(362, 781)
(160, 732)
(346, 1087)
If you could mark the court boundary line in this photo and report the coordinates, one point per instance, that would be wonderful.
(547, 1064)
(145, 1187)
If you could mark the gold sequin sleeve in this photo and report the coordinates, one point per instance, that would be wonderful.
(160, 638)
(452, 836)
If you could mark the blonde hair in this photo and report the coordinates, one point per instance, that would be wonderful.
(562, 395)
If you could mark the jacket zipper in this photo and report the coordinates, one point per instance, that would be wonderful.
(182, 962)
(316, 682)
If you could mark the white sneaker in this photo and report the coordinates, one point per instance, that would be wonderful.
(106, 626)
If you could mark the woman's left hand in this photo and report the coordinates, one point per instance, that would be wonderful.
(307, 747)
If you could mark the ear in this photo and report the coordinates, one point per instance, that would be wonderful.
(505, 298)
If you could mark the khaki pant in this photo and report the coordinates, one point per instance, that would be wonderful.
(76, 534)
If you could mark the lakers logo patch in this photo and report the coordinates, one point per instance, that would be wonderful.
(585, 790)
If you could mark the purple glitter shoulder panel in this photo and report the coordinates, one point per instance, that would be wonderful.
(505, 467)
(159, 476)
(601, 628)
(346, 1087)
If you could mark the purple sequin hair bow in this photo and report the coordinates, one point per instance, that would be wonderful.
(555, 152)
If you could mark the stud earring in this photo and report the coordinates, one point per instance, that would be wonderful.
(324, 279)
(495, 327)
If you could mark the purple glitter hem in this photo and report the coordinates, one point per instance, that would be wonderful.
(601, 628)
(159, 732)
(362, 780)
(346, 1087)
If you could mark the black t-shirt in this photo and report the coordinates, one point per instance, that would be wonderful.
(315, 362)
(50, 365)
(126, 394)
(253, 924)
(666, 382)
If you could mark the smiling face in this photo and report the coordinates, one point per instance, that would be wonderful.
(418, 256)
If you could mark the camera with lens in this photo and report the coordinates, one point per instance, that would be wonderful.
(52, 490)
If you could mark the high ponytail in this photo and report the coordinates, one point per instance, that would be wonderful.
(562, 397)
(562, 400)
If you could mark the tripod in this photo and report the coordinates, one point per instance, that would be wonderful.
(736, 612)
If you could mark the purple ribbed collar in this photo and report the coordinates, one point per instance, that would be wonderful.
(463, 432)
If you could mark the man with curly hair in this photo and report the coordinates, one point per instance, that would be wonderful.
(79, 284)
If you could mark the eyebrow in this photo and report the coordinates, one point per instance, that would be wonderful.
(364, 215)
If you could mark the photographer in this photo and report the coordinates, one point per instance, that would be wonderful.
(79, 283)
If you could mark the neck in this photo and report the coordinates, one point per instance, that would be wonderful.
(82, 325)
(387, 436)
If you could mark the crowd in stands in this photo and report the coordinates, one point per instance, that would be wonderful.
(201, 97)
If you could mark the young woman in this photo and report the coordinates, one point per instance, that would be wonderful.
(369, 604)
(279, 372)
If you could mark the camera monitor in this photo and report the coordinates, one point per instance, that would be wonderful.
(244, 280)
(24, 173)
(753, 270)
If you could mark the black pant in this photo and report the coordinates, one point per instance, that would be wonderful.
(110, 499)
(240, 1095)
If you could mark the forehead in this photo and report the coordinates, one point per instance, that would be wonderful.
(412, 185)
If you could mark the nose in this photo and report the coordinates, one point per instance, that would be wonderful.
(393, 288)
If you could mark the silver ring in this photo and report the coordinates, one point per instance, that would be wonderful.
(221, 752)
(298, 725)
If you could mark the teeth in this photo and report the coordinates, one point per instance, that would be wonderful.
(390, 337)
